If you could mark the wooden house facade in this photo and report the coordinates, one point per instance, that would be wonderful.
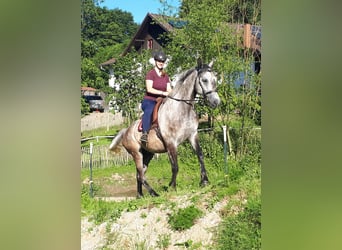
(150, 34)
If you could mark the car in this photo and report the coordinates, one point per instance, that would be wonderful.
(96, 103)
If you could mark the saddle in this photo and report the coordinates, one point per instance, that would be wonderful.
(154, 125)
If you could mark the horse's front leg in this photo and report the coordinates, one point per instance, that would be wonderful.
(138, 159)
(172, 152)
(196, 146)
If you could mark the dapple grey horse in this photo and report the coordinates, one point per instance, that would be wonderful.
(177, 122)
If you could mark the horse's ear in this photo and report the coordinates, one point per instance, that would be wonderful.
(211, 63)
(199, 62)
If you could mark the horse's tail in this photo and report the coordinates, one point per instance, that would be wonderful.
(117, 139)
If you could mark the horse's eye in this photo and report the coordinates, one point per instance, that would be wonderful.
(204, 80)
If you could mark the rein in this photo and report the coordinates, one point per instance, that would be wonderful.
(182, 100)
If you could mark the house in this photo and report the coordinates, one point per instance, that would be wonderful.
(149, 37)
(110, 71)
(85, 91)
(149, 34)
(252, 42)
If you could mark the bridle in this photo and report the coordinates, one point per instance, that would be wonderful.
(204, 68)
(200, 71)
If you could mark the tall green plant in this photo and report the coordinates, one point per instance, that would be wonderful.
(130, 73)
(242, 231)
(208, 34)
(104, 34)
(91, 75)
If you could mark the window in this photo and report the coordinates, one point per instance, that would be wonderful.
(150, 44)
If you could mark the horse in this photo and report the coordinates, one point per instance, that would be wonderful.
(177, 122)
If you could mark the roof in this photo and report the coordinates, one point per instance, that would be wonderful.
(109, 62)
(159, 19)
(88, 89)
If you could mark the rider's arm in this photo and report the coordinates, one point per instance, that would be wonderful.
(168, 89)
(150, 89)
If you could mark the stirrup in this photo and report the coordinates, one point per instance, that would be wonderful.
(143, 137)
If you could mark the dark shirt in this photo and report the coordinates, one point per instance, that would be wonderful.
(159, 83)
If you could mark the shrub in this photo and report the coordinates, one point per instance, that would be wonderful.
(184, 218)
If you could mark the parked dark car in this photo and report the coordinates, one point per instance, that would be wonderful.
(96, 103)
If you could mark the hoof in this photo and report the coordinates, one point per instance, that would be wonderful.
(172, 185)
(139, 196)
(154, 194)
(204, 183)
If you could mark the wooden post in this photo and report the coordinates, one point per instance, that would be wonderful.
(247, 35)
(107, 121)
(225, 153)
(230, 146)
(91, 170)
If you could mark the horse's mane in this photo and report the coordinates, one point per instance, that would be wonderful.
(182, 79)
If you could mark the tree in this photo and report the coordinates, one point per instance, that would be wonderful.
(208, 34)
(244, 11)
(130, 74)
(91, 76)
(103, 26)
(236, 11)
(104, 35)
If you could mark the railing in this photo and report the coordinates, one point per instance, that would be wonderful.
(102, 157)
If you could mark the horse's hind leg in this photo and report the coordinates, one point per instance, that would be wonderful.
(147, 157)
(142, 160)
(139, 187)
(195, 144)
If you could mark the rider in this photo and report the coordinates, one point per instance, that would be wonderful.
(157, 85)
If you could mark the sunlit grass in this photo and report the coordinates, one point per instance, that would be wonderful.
(240, 177)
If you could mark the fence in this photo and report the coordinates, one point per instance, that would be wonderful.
(102, 157)
(98, 120)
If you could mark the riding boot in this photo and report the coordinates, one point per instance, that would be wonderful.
(144, 137)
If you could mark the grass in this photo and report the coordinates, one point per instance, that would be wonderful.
(164, 241)
(99, 132)
(241, 231)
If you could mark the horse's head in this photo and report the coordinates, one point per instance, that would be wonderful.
(206, 84)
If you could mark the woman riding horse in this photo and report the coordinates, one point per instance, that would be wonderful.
(157, 85)
(177, 122)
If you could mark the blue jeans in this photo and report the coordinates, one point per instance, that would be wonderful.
(147, 106)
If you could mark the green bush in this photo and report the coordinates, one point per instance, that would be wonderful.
(84, 107)
(184, 218)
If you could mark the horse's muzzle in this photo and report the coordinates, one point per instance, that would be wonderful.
(213, 99)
